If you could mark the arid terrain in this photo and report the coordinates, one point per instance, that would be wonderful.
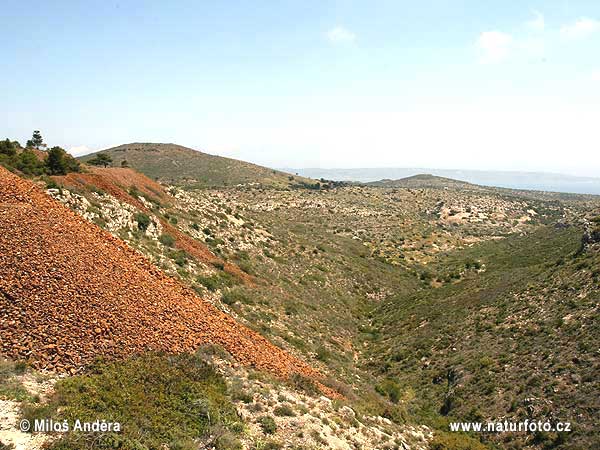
(329, 315)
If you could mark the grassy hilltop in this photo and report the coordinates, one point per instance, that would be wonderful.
(177, 164)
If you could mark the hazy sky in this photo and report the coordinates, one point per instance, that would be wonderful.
(471, 84)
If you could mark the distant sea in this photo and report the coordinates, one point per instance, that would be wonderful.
(537, 181)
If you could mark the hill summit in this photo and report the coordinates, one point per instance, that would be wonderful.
(177, 164)
(425, 180)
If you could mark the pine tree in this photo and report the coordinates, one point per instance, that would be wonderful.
(101, 159)
(56, 161)
(36, 140)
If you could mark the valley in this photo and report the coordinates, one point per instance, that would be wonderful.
(409, 304)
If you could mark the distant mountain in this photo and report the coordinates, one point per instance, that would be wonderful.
(513, 180)
(177, 164)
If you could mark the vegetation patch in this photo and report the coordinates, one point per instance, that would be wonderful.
(159, 400)
(267, 424)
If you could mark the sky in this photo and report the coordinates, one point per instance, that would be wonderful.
(466, 84)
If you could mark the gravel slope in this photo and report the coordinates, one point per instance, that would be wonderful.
(70, 292)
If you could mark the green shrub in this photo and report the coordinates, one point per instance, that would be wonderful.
(454, 441)
(323, 354)
(210, 283)
(157, 399)
(235, 296)
(284, 411)
(9, 368)
(227, 441)
(167, 239)
(390, 389)
(8, 148)
(216, 281)
(143, 221)
(59, 162)
(28, 163)
(50, 183)
(268, 425)
(218, 264)
(246, 267)
(180, 257)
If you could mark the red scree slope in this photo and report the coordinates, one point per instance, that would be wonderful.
(69, 292)
(118, 181)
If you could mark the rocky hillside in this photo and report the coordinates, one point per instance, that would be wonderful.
(416, 302)
(70, 292)
(131, 201)
(177, 164)
(77, 301)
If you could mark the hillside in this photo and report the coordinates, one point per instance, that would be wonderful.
(428, 181)
(144, 196)
(422, 181)
(538, 181)
(515, 339)
(70, 292)
(177, 164)
(78, 301)
(423, 304)
(345, 278)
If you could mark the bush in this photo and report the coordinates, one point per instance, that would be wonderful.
(134, 191)
(8, 148)
(216, 281)
(28, 163)
(227, 441)
(323, 354)
(284, 411)
(235, 296)
(268, 425)
(180, 257)
(304, 383)
(50, 183)
(454, 441)
(246, 267)
(390, 389)
(143, 221)
(167, 239)
(426, 276)
(157, 399)
(209, 283)
(218, 265)
(9, 368)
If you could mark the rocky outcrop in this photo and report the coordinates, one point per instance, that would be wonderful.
(591, 235)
